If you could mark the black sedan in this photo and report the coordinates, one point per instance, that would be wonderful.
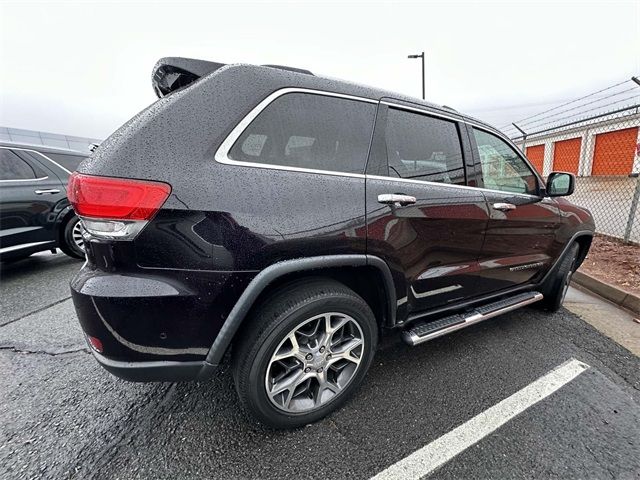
(35, 214)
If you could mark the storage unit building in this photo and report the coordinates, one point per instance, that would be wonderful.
(607, 147)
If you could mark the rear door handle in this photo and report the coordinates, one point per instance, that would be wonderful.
(51, 191)
(504, 206)
(396, 199)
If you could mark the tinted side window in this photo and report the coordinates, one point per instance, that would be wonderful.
(309, 131)
(13, 167)
(502, 168)
(70, 162)
(424, 148)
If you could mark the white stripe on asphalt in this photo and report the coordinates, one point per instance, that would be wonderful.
(440, 451)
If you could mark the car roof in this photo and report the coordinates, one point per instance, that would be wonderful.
(44, 148)
(185, 71)
(351, 88)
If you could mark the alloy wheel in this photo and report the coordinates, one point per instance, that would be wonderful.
(314, 363)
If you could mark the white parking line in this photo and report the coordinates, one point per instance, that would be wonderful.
(437, 453)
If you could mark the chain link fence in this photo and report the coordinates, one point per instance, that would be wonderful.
(596, 137)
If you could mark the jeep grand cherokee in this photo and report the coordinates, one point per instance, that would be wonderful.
(289, 220)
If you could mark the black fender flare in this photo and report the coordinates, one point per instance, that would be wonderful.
(64, 212)
(272, 273)
(574, 237)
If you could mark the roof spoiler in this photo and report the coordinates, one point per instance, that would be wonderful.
(171, 73)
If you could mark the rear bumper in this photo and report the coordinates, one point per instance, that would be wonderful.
(156, 371)
(155, 325)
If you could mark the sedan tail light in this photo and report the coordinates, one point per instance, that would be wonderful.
(115, 208)
(95, 343)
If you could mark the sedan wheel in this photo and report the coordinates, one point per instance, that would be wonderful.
(76, 234)
(71, 242)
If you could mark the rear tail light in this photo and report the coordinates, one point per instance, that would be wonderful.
(115, 208)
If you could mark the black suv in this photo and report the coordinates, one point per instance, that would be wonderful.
(35, 214)
(290, 219)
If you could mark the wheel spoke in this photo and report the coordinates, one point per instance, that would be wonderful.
(345, 351)
(292, 351)
(323, 385)
(285, 385)
(335, 324)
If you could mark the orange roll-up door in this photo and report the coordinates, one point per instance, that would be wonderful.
(614, 152)
(566, 155)
(536, 157)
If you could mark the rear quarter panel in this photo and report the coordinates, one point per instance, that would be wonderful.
(219, 227)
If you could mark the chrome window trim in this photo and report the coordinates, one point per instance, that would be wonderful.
(495, 132)
(51, 160)
(222, 154)
(507, 140)
(461, 119)
(504, 192)
(22, 179)
(467, 121)
(422, 111)
(435, 114)
(453, 185)
(523, 157)
(229, 161)
(37, 153)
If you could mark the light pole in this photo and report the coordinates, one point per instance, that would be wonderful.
(422, 57)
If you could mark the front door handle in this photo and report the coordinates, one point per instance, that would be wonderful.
(503, 207)
(51, 191)
(396, 199)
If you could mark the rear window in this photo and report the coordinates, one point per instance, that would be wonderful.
(311, 131)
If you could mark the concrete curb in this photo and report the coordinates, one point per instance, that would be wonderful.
(610, 292)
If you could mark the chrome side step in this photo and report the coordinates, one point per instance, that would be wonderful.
(424, 331)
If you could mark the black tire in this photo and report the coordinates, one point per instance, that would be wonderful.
(67, 243)
(555, 288)
(272, 322)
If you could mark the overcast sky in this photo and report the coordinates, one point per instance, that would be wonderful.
(83, 68)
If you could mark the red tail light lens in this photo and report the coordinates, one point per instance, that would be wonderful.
(116, 198)
(95, 343)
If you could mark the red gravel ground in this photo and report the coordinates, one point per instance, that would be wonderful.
(614, 263)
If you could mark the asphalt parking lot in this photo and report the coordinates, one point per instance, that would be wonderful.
(63, 416)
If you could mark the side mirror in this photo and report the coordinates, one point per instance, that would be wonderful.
(560, 184)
